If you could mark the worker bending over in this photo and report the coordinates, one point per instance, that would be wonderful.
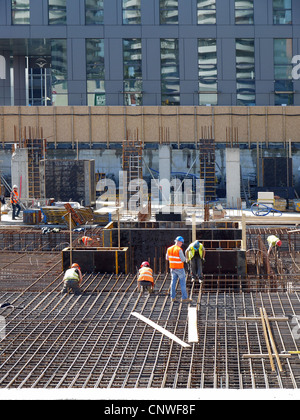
(273, 242)
(72, 280)
(195, 256)
(15, 202)
(176, 259)
(145, 278)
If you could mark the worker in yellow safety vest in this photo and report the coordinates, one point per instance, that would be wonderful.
(273, 242)
(195, 256)
(176, 259)
(145, 277)
(72, 280)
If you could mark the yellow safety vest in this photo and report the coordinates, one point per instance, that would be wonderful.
(272, 239)
(191, 252)
(71, 274)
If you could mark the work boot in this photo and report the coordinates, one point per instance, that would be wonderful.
(187, 300)
(174, 299)
(192, 279)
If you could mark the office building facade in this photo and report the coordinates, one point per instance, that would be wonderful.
(149, 52)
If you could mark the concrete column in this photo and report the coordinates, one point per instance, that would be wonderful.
(19, 80)
(165, 173)
(19, 171)
(233, 178)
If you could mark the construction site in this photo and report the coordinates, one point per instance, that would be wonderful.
(241, 329)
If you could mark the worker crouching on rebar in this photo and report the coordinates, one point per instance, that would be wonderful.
(72, 280)
(145, 278)
(195, 256)
(273, 242)
(176, 259)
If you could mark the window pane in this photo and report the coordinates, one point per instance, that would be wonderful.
(245, 72)
(94, 10)
(168, 12)
(207, 71)
(282, 12)
(59, 73)
(95, 59)
(244, 13)
(131, 12)
(206, 12)
(170, 82)
(57, 12)
(283, 51)
(132, 71)
(20, 12)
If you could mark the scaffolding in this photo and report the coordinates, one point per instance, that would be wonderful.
(132, 164)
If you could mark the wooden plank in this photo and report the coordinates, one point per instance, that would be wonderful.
(160, 329)
(267, 339)
(192, 325)
(272, 339)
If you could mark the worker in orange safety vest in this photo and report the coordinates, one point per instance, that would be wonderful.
(15, 200)
(176, 259)
(145, 277)
(86, 240)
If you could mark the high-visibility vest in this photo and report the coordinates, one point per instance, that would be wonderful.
(272, 239)
(71, 274)
(86, 240)
(174, 258)
(191, 251)
(145, 274)
(14, 197)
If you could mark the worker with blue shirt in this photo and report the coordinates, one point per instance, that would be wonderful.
(176, 259)
(195, 256)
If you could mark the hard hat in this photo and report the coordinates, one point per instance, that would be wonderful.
(15, 186)
(75, 265)
(196, 245)
(145, 264)
(180, 239)
(279, 243)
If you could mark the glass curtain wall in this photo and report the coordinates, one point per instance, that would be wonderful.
(282, 12)
(132, 71)
(206, 12)
(57, 10)
(245, 71)
(170, 80)
(244, 12)
(95, 72)
(59, 72)
(168, 12)
(20, 10)
(283, 85)
(131, 12)
(207, 71)
(94, 12)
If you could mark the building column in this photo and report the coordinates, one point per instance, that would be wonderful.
(233, 178)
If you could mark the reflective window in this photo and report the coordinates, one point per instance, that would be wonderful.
(94, 10)
(57, 12)
(244, 13)
(132, 71)
(131, 12)
(206, 12)
(59, 72)
(207, 71)
(95, 72)
(170, 81)
(168, 10)
(245, 71)
(282, 12)
(283, 85)
(20, 12)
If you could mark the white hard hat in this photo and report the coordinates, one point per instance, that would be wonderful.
(15, 186)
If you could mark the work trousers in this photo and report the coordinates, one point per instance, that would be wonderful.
(178, 273)
(16, 208)
(72, 286)
(196, 267)
(145, 285)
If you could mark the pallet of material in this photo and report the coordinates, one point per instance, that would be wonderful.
(60, 216)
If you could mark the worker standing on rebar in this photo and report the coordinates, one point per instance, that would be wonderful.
(176, 259)
(273, 242)
(145, 277)
(195, 256)
(15, 200)
(72, 280)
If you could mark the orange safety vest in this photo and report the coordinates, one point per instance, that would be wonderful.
(146, 274)
(86, 239)
(174, 258)
(14, 197)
